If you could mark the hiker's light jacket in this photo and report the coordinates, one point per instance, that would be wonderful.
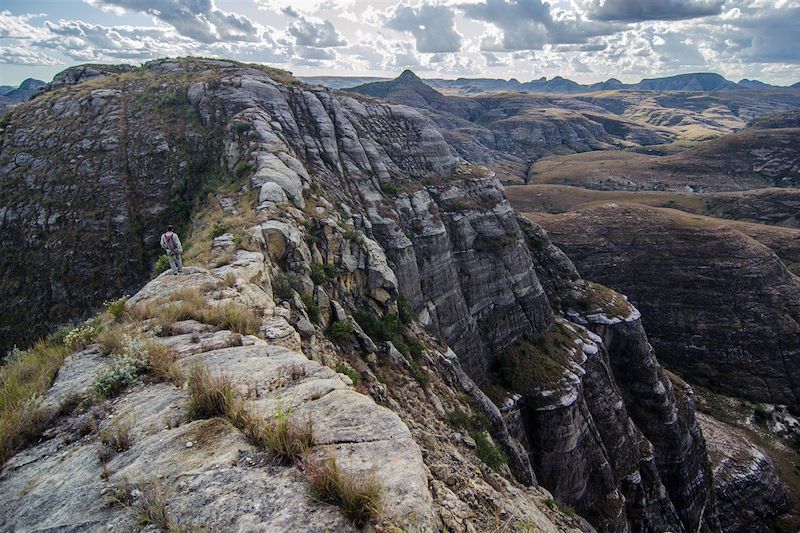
(176, 243)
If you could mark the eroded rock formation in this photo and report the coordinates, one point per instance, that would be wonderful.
(336, 207)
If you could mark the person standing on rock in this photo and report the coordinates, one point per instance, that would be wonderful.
(172, 245)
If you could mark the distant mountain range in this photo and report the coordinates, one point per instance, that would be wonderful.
(26, 89)
(701, 81)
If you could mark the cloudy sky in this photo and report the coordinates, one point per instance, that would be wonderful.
(585, 40)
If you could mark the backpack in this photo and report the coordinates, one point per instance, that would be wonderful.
(170, 242)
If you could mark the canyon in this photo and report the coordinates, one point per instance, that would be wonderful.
(482, 377)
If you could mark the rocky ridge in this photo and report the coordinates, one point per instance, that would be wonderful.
(736, 337)
(316, 178)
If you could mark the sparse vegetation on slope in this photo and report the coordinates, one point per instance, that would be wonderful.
(23, 379)
(359, 496)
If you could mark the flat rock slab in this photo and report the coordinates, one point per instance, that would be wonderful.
(75, 377)
(192, 343)
(50, 489)
(349, 426)
(166, 285)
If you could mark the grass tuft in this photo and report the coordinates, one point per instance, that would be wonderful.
(117, 437)
(191, 305)
(209, 396)
(358, 496)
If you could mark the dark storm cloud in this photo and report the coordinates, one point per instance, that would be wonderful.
(641, 10)
(433, 27)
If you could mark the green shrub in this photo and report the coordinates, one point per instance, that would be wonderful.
(312, 308)
(283, 285)
(761, 415)
(389, 188)
(341, 329)
(110, 381)
(404, 311)
(241, 127)
(243, 169)
(419, 373)
(161, 265)
(116, 307)
(415, 349)
(353, 374)
(351, 234)
(488, 452)
(219, 228)
(322, 274)
(379, 329)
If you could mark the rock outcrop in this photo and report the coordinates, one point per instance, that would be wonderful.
(719, 307)
(748, 491)
(352, 234)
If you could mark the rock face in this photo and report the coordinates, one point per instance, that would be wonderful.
(337, 206)
(89, 180)
(217, 473)
(737, 336)
(749, 492)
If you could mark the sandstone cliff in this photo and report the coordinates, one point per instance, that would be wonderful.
(349, 235)
(719, 306)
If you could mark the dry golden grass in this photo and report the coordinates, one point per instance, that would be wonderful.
(283, 437)
(162, 363)
(209, 396)
(359, 496)
(190, 304)
(118, 436)
(21, 381)
(112, 339)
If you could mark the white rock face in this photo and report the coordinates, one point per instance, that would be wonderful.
(214, 477)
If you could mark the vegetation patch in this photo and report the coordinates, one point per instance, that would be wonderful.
(313, 310)
(488, 452)
(24, 377)
(478, 426)
(281, 436)
(359, 496)
(191, 305)
(341, 329)
(353, 374)
(323, 273)
(284, 285)
(535, 362)
(389, 189)
(116, 308)
(600, 297)
(118, 437)
(379, 329)
(82, 335)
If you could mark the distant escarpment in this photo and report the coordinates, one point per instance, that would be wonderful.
(720, 308)
(360, 241)
(752, 158)
(508, 131)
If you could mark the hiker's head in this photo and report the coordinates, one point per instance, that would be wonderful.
(170, 228)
